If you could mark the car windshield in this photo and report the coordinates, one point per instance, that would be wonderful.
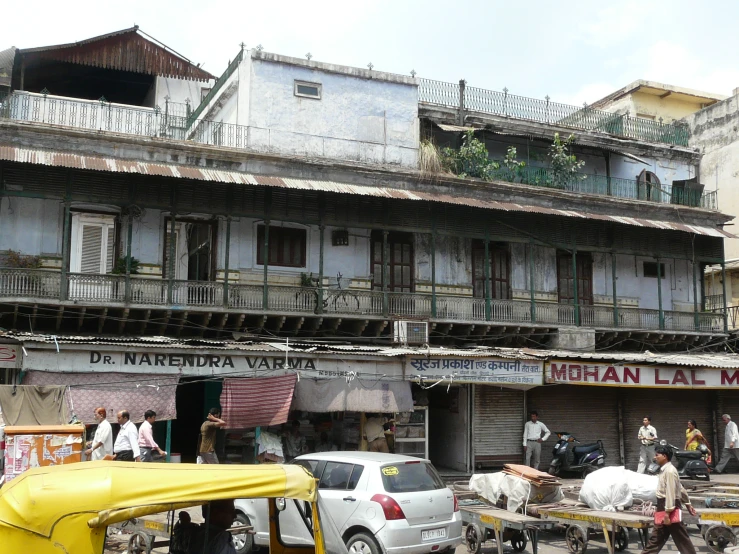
(410, 477)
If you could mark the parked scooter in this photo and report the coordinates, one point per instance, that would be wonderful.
(571, 456)
(691, 464)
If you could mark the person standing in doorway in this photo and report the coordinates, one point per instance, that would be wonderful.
(146, 437)
(670, 497)
(374, 432)
(101, 444)
(648, 438)
(294, 442)
(126, 447)
(731, 443)
(534, 433)
(207, 439)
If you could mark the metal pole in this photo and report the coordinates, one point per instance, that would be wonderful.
(265, 248)
(659, 295)
(66, 239)
(614, 278)
(226, 260)
(433, 266)
(385, 274)
(171, 254)
(321, 254)
(129, 240)
(609, 190)
(575, 285)
(723, 286)
(486, 273)
(696, 321)
(168, 442)
(532, 288)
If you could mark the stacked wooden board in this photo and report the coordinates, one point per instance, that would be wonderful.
(533, 476)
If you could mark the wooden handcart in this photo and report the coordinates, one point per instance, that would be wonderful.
(582, 522)
(483, 522)
(719, 527)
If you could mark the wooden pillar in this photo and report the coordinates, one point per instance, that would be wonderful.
(385, 274)
(575, 285)
(723, 287)
(532, 287)
(614, 278)
(66, 239)
(659, 295)
(226, 262)
(433, 266)
(265, 248)
(23, 72)
(129, 240)
(609, 188)
(696, 321)
(172, 254)
(488, 299)
(321, 255)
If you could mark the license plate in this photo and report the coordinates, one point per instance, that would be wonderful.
(433, 534)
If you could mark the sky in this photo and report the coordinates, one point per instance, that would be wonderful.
(574, 52)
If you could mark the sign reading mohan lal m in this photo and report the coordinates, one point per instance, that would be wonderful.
(621, 375)
(480, 370)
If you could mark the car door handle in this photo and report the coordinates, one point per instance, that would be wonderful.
(349, 499)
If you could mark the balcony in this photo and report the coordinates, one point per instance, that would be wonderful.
(33, 287)
(503, 104)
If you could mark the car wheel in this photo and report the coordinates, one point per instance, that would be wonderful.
(243, 542)
(363, 543)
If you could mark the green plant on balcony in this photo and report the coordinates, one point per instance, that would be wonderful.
(120, 266)
(16, 260)
(472, 160)
(564, 165)
(307, 280)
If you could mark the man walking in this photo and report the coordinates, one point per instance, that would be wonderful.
(648, 438)
(207, 438)
(670, 497)
(126, 447)
(146, 437)
(731, 443)
(534, 433)
(102, 443)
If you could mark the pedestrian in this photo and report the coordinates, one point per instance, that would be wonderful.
(668, 517)
(146, 437)
(374, 432)
(101, 444)
(648, 438)
(731, 443)
(126, 447)
(207, 439)
(294, 442)
(534, 433)
(325, 445)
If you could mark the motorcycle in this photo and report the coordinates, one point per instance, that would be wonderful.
(571, 456)
(691, 464)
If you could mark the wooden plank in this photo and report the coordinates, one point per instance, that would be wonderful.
(599, 517)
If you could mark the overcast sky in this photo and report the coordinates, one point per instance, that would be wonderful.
(573, 51)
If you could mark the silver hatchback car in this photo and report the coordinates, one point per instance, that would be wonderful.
(380, 503)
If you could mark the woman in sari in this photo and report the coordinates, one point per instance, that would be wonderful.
(694, 438)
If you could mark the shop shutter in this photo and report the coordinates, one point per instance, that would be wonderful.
(727, 402)
(498, 426)
(587, 412)
(670, 410)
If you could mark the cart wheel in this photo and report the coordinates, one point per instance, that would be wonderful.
(577, 539)
(621, 541)
(139, 543)
(519, 541)
(719, 537)
(473, 538)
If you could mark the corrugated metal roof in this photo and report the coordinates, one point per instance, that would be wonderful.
(115, 165)
(710, 360)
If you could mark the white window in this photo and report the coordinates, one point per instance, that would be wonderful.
(92, 243)
(308, 90)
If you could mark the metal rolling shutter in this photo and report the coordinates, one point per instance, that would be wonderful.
(498, 422)
(727, 402)
(670, 411)
(588, 412)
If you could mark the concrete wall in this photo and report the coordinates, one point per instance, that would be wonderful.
(715, 130)
(651, 106)
(31, 226)
(178, 90)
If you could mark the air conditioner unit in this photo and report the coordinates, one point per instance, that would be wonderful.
(411, 332)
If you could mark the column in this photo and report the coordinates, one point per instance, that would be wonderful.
(723, 286)
(532, 287)
(613, 286)
(659, 295)
(696, 322)
(574, 286)
(129, 240)
(265, 248)
(321, 254)
(226, 261)
(385, 274)
(433, 266)
(488, 301)
(66, 238)
(168, 442)
(172, 254)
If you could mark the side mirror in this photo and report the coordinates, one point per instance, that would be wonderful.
(280, 504)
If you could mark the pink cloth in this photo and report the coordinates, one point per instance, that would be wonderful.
(146, 438)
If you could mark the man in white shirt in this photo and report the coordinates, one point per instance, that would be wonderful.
(648, 438)
(731, 443)
(126, 447)
(102, 443)
(534, 433)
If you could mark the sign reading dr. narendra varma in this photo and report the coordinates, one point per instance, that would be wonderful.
(633, 375)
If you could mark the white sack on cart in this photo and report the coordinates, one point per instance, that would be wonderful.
(607, 489)
(643, 487)
(518, 491)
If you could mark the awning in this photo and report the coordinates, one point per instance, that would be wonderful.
(256, 402)
(72, 160)
(114, 392)
(338, 395)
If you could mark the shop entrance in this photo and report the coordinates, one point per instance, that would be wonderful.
(448, 438)
(195, 396)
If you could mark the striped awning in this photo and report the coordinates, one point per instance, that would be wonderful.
(256, 402)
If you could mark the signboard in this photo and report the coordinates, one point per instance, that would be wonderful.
(9, 356)
(479, 370)
(628, 375)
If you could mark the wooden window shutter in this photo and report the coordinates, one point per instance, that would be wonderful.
(92, 249)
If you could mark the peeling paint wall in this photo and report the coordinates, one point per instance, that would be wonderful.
(31, 226)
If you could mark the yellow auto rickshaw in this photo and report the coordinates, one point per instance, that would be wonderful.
(68, 508)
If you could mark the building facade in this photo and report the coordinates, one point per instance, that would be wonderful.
(287, 202)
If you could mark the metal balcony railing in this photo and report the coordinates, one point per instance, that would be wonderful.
(23, 285)
(546, 111)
